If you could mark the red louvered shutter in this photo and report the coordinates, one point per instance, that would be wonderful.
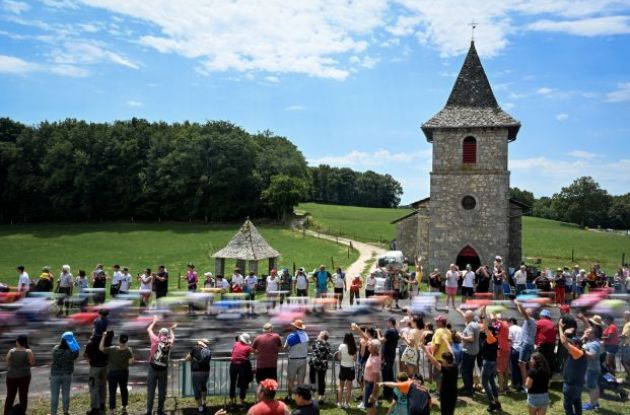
(470, 150)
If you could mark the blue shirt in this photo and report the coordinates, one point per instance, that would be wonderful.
(298, 344)
(528, 334)
(322, 280)
(593, 362)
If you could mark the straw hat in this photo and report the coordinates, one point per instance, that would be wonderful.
(298, 324)
(596, 319)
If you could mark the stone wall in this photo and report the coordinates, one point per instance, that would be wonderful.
(486, 227)
(516, 226)
(412, 234)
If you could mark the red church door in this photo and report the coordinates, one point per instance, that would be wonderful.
(468, 256)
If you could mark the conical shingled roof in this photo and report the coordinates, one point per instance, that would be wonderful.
(471, 103)
(247, 245)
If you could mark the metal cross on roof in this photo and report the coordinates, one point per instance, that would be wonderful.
(473, 26)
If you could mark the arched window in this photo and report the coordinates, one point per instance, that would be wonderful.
(469, 150)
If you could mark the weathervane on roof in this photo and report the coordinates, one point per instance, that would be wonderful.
(473, 26)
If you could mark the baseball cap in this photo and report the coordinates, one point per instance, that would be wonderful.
(545, 313)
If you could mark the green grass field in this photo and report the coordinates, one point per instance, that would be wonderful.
(548, 240)
(141, 245)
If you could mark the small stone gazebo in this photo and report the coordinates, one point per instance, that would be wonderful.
(247, 247)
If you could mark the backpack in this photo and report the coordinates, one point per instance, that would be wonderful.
(200, 360)
(162, 354)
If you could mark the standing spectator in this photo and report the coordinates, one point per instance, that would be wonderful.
(99, 280)
(489, 351)
(209, 281)
(64, 288)
(191, 278)
(237, 280)
(440, 343)
(146, 285)
(61, 368)
(347, 355)
(470, 347)
(101, 323)
(610, 339)
(304, 401)
(199, 358)
(452, 276)
(119, 358)
(537, 384)
(251, 285)
(520, 277)
(272, 288)
(498, 277)
(318, 363)
(560, 283)
(527, 339)
(240, 368)
(592, 348)
(46, 281)
(468, 284)
(301, 283)
(125, 281)
(448, 387)
(355, 288)
(266, 347)
(160, 284)
(267, 403)
(286, 285)
(570, 329)
(625, 348)
(159, 355)
(574, 372)
(504, 352)
(370, 285)
(82, 285)
(24, 281)
(98, 372)
(515, 350)
(389, 339)
(322, 279)
(297, 343)
(483, 279)
(568, 285)
(413, 338)
(114, 288)
(546, 338)
(372, 377)
(339, 281)
(19, 362)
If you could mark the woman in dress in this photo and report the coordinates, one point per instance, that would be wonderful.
(318, 363)
(146, 286)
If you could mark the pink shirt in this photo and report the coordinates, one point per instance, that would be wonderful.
(372, 368)
(240, 352)
(154, 344)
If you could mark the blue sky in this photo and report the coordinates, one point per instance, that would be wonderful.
(349, 82)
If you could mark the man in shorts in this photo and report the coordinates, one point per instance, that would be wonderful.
(592, 349)
(527, 340)
(297, 344)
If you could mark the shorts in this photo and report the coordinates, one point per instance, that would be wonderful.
(263, 373)
(451, 291)
(625, 354)
(296, 369)
(339, 292)
(369, 293)
(525, 353)
(497, 289)
(592, 379)
(611, 349)
(346, 373)
(503, 360)
(367, 391)
(302, 293)
(200, 383)
(538, 400)
(467, 291)
(434, 289)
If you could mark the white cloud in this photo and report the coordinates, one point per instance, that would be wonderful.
(381, 157)
(544, 91)
(621, 94)
(596, 26)
(508, 105)
(69, 70)
(135, 104)
(14, 65)
(295, 108)
(61, 4)
(15, 7)
(562, 117)
(272, 79)
(581, 154)
(86, 52)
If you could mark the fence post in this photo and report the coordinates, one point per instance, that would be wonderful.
(332, 263)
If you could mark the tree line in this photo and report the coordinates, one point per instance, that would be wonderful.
(215, 171)
(583, 202)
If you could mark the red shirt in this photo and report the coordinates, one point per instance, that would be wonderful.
(240, 352)
(267, 346)
(357, 283)
(503, 335)
(613, 335)
(545, 332)
(268, 408)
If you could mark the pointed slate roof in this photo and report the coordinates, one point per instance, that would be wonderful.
(248, 245)
(471, 103)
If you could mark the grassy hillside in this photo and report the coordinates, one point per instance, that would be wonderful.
(548, 240)
(141, 245)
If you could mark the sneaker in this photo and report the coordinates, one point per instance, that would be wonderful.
(339, 405)
(589, 407)
(360, 405)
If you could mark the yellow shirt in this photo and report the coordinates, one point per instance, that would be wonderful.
(441, 339)
(626, 333)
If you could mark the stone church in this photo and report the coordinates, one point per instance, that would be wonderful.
(469, 217)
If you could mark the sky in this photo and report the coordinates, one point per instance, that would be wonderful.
(349, 82)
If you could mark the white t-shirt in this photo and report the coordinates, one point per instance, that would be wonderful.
(237, 279)
(222, 283)
(370, 283)
(116, 277)
(125, 282)
(339, 281)
(146, 283)
(469, 279)
(346, 359)
(272, 284)
(514, 334)
(252, 282)
(25, 280)
(520, 277)
(301, 282)
(451, 278)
